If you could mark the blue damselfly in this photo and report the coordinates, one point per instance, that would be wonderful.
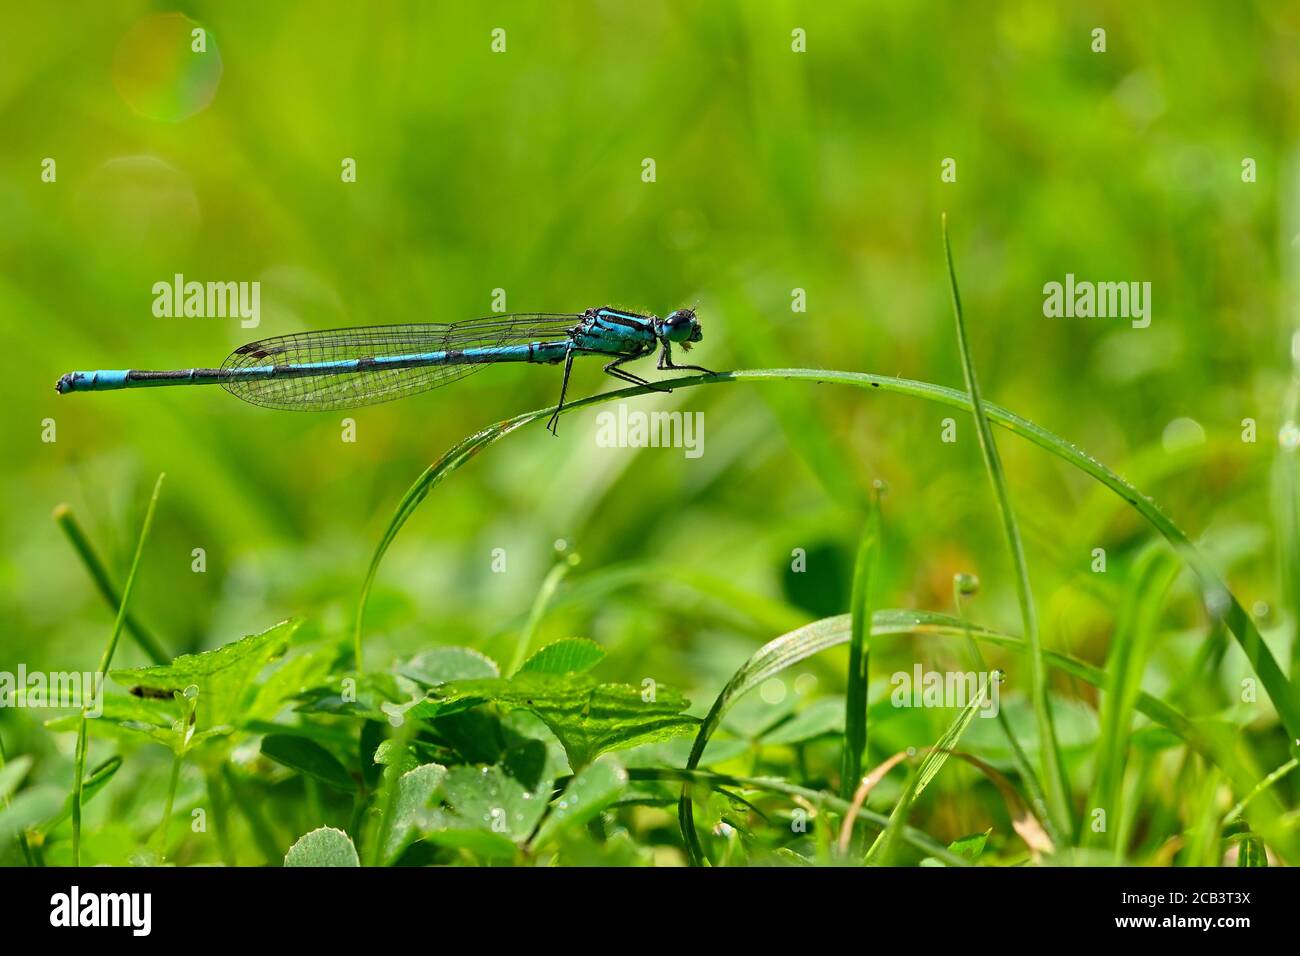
(348, 368)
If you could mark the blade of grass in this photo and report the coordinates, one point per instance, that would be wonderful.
(1151, 579)
(1260, 787)
(855, 700)
(540, 604)
(104, 662)
(1283, 696)
(798, 645)
(1057, 784)
(95, 781)
(918, 839)
(67, 521)
(860, 797)
(428, 480)
(741, 608)
(964, 585)
(931, 764)
(833, 631)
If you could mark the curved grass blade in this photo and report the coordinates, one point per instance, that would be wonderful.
(1260, 787)
(78, 781)
(832, 631)
(1284, 697)
(76, 535)
(1151, 579)
(855, 700)
(95, 781)
(741, 608)
(538, 610)
(860, 797)
(769, 660)
(963, 586)
(931, 764)
(717, 781)
(1057, 783)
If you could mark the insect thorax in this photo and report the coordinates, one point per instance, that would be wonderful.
(617, 333)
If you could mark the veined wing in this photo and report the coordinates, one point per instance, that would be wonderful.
(315, 371)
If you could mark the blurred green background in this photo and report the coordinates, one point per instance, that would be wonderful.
(522, 170)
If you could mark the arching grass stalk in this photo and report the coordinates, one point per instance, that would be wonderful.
(1283, 696)
(540, 604)
(916, 838)
(803, 642)
(1057, 784)
(67, 522)
(963, 586)
(80, 762)
(855, 699)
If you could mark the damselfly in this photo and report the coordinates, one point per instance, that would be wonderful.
(347, 368)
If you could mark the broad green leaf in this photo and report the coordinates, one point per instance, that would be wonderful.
(324, 847)
(127, 717)
(591, 790)
(587, 717)
(395, 753)
(411, 813)
(12, 774)
(486, 810)
(364, 696)
(482, 843)
(816, 720)
(175, 738)
(307, 756)
(475, 735)
(222, 675)
(572, 655)
(287, 681)
(121, 709)
(970, 847)
(442, 665)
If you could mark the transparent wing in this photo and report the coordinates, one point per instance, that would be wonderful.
(289, 387)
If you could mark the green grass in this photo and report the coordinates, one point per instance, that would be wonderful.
(453, 707)
(1053, 766)
(104, 662)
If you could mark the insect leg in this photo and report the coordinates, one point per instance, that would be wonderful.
(553, 425)
(621, 373)
(666, 363)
